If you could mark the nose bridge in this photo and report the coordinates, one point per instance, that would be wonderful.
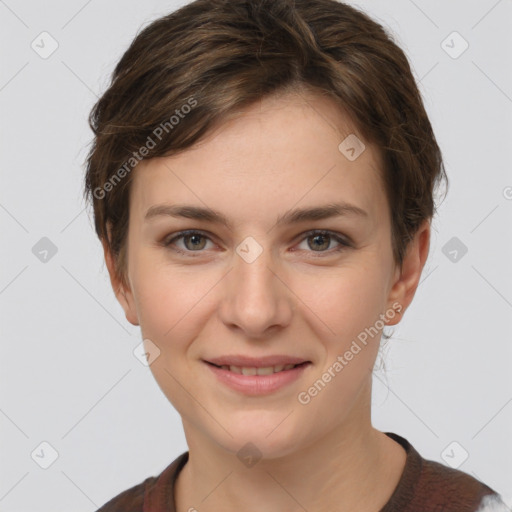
(255, 298)
(252, 264)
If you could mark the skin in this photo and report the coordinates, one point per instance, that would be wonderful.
(296, 298)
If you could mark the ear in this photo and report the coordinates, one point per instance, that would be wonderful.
(407, 280)
(123, 292)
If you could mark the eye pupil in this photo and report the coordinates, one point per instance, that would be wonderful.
(315, 237)
(195, 237)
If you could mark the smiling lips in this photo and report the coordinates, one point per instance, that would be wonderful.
(256, 376)
(264, 370)
(256, 366)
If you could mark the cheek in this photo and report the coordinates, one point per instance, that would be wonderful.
(346, 301)
(172, 306)
(172, 302)
(350, 304)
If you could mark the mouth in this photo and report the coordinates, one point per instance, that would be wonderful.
(254, 377)
(259, 370)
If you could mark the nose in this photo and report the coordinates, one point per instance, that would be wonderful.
(255, 298)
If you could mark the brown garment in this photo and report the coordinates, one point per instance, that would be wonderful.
(425, 486)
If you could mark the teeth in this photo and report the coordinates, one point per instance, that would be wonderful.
(267, 370)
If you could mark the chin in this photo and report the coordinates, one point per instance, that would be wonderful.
(263, 435)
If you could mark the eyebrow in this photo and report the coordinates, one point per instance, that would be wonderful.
(291, 217)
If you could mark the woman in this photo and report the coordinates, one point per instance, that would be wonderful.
(262, 178)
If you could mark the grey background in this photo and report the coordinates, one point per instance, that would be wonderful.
(68, 373)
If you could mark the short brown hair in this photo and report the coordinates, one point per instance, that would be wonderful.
(210, 58)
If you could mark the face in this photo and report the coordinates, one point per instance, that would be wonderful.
(267, 282)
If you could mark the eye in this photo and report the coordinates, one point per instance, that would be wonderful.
(191, 239)
(322, 238)
(195, 241)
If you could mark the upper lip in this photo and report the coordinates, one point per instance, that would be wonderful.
(255, 362)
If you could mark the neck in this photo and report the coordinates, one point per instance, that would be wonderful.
(351, 468)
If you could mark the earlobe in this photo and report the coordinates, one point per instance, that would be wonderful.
(122, 292)
(128, 305)
(407, 281)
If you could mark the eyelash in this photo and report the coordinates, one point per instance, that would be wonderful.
(315, 232)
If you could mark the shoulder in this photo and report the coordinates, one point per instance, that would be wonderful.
(444, 487)
(131, 500)
(154, 493)
(430, 486)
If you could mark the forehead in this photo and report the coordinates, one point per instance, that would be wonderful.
(278, 152)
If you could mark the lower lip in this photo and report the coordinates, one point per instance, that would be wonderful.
(257, 384)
